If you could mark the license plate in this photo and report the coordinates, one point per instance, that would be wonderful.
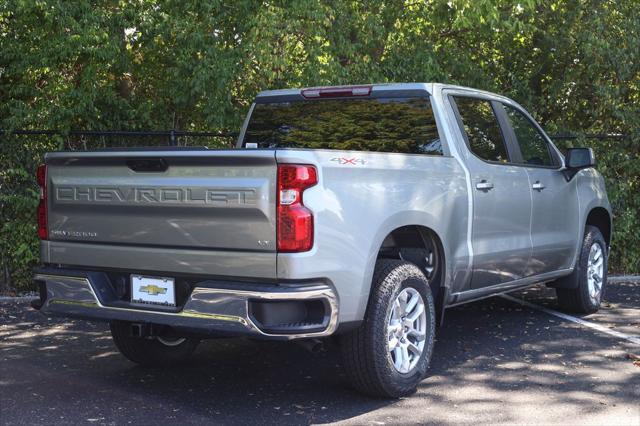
(153, 290)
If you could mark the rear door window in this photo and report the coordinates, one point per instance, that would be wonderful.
(400, 124)
(481, 126)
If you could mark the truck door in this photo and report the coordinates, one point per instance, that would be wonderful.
(554, 220)
(501, 197)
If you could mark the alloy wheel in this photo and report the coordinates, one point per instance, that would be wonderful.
(406, 330)
(595, 272)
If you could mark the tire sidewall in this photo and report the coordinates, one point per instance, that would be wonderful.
(417, 281)
(592, 236)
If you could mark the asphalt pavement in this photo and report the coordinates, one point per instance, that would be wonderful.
(495, 362)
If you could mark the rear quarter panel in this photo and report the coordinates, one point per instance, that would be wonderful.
(361, 197)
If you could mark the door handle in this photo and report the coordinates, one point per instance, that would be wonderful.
(483, 185)
(538, 186)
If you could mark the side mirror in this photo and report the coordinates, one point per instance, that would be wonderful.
(578, 159)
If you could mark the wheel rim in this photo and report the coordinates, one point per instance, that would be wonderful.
(171, 341)
(595, 272)
(406, 330)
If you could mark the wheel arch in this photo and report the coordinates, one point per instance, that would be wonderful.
(601, 219)
(410, 242)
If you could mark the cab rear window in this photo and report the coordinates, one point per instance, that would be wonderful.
(400, 124)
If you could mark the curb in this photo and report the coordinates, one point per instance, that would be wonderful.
(623, 278)
(18, 298)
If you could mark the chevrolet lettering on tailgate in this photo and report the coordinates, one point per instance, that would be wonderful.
(107, 194)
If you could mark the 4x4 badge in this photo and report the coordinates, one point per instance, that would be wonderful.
(352, 161)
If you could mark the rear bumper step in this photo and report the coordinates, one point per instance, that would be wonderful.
(283, 311)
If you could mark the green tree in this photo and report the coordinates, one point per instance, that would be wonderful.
(194, 65)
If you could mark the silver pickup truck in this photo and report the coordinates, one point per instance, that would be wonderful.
(360, 212)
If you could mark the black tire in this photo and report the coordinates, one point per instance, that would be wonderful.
(150, 352)
(577, 299)
(365, 352)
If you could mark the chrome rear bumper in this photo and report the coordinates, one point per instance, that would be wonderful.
(212, 307)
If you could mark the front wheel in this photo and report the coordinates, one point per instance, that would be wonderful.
(153, 351)
(590, 275)
(389, 354)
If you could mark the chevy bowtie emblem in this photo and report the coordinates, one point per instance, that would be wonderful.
(153, 290)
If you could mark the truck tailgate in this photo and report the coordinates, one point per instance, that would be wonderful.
(185, 201)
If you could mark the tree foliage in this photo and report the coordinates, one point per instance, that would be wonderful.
(195, 65)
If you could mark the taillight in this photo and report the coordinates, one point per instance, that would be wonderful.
(41, 178)
(295, 221)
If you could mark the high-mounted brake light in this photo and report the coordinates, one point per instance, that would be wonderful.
(337, 92)
(295, 221)
(41, 178)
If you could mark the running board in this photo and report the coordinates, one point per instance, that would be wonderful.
(484, 292)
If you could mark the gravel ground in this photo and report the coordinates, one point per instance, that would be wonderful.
(495, 362)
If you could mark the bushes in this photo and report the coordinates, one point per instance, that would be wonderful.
(619, 162)
(194, 65)
(19, 245)
(19, 195)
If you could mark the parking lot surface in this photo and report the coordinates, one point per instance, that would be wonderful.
(495, 362)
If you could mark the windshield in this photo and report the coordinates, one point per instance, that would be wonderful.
(402, 124)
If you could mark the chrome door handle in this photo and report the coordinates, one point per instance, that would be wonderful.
(538, 186)
(483, 185)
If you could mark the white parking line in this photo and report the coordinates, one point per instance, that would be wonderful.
(601, 328)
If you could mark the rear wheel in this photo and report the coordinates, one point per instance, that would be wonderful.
(590, 274)
(151, 351)
(389, 354)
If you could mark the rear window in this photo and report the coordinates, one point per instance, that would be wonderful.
(404, 125)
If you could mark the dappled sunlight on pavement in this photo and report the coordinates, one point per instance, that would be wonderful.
(494, 362)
